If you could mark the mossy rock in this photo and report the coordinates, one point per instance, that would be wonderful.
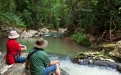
(92, 55)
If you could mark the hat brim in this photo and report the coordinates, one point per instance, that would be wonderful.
(12, 37)
(42, 46)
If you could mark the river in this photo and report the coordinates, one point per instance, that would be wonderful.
(55, 45)
(62, 49)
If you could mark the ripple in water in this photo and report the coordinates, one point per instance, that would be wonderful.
(75, 69)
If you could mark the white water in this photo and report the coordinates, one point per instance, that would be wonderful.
(75, 69)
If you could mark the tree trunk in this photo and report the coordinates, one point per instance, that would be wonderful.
(111, 20)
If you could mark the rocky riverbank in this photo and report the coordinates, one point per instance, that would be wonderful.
(16, 69)
(110, 49)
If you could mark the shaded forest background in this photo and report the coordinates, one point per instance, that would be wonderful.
(99, 19)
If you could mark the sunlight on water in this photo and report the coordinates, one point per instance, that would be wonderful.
(75, 69)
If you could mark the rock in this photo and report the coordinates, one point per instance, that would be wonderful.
(106, 64)
(62, 30)
(16, 69)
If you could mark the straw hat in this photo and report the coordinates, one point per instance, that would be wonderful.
(41, 43)
(13, 34)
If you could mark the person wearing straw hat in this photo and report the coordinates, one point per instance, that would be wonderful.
(14, 48)
(38, 60)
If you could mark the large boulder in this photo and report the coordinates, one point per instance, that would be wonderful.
(28, 34)
(16, 69)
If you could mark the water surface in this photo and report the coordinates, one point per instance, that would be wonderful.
(56, 45)
(76, 69)
(65, 48)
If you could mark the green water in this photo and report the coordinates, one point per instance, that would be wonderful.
(60, 46)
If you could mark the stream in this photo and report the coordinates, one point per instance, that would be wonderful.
(76, 69)
(61, 49)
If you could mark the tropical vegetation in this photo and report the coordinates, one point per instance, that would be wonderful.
(100, 18)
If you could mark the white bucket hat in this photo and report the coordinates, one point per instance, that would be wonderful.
(13, 34)
(41, 43)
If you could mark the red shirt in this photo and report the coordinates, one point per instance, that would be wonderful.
(12, 48)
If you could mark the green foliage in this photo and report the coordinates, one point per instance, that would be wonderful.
(81, 56)
(26, 16)
(50, 26)
(81, 38)
(7, 5)
(97, 15)
(56, 14)
(11, 19)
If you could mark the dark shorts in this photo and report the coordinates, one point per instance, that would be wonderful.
(49, 69)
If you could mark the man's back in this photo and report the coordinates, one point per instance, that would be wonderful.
(38, 61)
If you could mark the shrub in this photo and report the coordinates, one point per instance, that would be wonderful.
(12, 19)
(81, 38)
